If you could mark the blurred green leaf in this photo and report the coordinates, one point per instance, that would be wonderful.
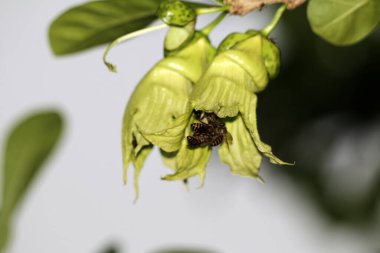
(99, 22)
(183, 250)
(26, 148)
(343, 22)
(111, 249)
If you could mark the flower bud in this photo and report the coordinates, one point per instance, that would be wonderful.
(176, 13)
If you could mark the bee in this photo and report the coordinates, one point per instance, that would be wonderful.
(220, 134)
(206, 117)
(199, 140)
(209, 131)
(200, 127)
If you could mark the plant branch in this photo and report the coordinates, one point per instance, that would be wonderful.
(242, 7)
(214, 23)
(202, 11)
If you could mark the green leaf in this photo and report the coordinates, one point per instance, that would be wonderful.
(26, 148)
(99, 22)
(343, 22)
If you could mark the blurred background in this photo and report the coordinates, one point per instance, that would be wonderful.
(323, 112)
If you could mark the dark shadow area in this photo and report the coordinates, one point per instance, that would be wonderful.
(323, 112)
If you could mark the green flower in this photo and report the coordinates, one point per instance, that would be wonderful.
(242, 67)
(162, 96)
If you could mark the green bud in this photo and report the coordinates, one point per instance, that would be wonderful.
(176, 13)
(160, 100)
(178, 37)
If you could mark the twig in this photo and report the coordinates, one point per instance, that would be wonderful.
(242, 7)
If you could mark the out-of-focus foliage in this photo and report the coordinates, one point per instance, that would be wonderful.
(325, 99)
(111, 249)
(99, 22)
(184, 250)
(343, 22)
(28, 145)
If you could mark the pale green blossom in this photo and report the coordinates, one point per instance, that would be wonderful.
(162, 97)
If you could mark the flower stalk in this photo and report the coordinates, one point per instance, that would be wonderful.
(270, 27)
(124, 38)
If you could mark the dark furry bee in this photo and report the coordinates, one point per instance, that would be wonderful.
(199, 140)
(206, 117)
(200, 127)
(220, 134)
(209, 131)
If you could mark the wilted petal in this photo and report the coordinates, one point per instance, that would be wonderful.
(189, 162)
(169, 139)
(248, 112)
(138, 163)
(241, 154)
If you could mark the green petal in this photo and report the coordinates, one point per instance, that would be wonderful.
(232, 73)
(138, 163)
(169, 139)
(193, 60)
(222, 88)
(231, 40)
(160, 97)
(190, 162)
(241, 154)
(251, 59)
(248, 111)
(168, 158)
(271, 55)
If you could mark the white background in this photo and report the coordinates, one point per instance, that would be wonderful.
(78, 204)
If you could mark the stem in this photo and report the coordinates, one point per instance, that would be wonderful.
(206, 30)
(267, 30)
(123, 38)
(202, 11)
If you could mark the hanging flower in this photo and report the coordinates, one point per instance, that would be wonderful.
(162, 96)
(242, 67)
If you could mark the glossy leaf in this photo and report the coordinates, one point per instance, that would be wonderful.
(343, 22)
(99, 22)
(26, 148)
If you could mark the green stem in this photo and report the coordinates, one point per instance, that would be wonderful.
(123, 38)
(206, 30)
(267, 30)
(202, 11)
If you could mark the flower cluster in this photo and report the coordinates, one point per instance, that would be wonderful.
(198, 97)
